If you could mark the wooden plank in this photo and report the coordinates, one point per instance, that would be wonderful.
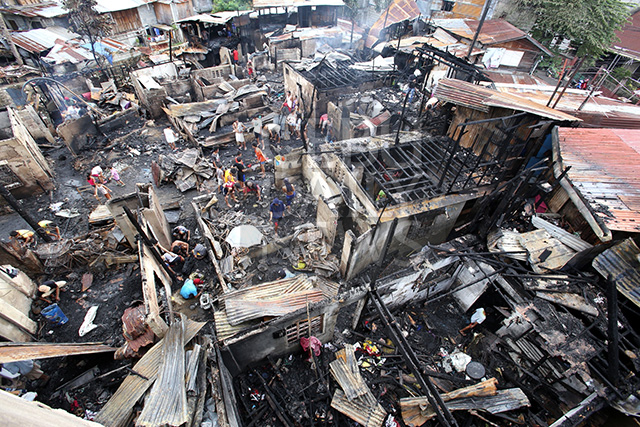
(570, 240)
(19, 412)
(14, 352)
(16, 317)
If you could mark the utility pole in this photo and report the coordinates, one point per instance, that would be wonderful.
(487, 5)
(15, 204)
(7, 36)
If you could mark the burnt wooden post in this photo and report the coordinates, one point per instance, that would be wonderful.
(612, 330)
(15, 204)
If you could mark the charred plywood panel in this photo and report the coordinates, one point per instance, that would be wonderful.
(154, 215)
(22, 165)
(327, 220)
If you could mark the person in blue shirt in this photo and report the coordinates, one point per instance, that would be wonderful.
(189, 289)
(276, 212)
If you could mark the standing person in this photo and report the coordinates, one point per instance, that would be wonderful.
(90, 180)
(329, 126)
(220, 178)
(115, 176)
(291, 124)
(250, 70)
(298, 126)
(477, 318)
(171, 138)
(239, 165)
(238, 129)
(289, 191)
(102, 190)
(257, 129)
(322, 124)
(97, 174)
(230, 190)
(236, 56)
(215, 157)
(261, 158)
(276, 212)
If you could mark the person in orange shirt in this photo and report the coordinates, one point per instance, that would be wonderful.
(260, 156)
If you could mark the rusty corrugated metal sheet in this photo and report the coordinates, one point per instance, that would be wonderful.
(398, 11)
(41, 39)
(481, 98)
(620, 263)
(604, 169)
(14, 352)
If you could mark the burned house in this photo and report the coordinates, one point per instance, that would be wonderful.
(317, 13)
(317, 83)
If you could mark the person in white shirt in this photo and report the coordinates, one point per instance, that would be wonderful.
(476, 318)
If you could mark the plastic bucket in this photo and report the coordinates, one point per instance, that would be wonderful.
(54, 314)
(278, 159)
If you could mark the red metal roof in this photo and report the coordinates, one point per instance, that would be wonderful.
(481, 98)
(604, 169)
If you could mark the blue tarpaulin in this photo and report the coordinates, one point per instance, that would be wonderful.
(102, 49)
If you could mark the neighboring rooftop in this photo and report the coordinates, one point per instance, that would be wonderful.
(629, 44)
(482, 99)
(604, 169)
(261, 4)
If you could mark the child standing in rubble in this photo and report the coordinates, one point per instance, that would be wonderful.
(261, 158)
(238, 129)
(102, 190)
(115, 176)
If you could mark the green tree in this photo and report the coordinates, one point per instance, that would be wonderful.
(86, 21)
(222, 5)
(590, 24)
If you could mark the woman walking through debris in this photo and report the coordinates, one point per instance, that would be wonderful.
(289, 191)
(238, 129)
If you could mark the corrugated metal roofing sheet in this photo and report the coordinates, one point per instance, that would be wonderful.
(598, 112)
(45, 10)
(41, 39)
(270, 299)
(481, 98)
(494, 31)
(397, 11)
(260, 4)
(104, 6)
(604, 169)
(620, 263)
(629, 44)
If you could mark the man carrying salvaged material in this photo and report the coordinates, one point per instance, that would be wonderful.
(238, 129)
(477, 318)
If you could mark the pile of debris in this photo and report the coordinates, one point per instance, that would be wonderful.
(188, 169)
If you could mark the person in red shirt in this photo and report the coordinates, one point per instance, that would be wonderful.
(235, 56)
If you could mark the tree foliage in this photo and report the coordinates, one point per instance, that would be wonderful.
(590, 24)
(222, 5)
(86, 21)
